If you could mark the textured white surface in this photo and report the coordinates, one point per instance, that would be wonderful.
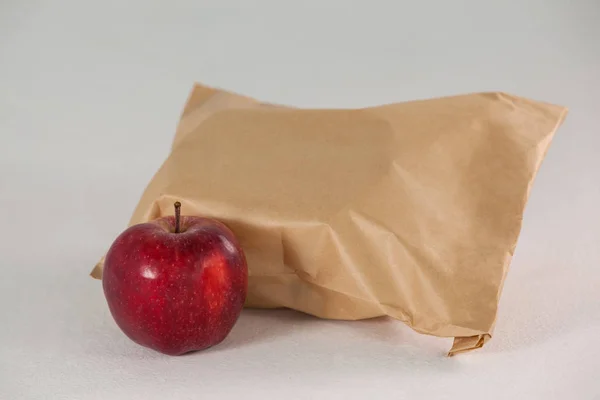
(81, 83)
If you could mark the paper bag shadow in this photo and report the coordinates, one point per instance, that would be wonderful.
(263, 325)
(259, 326)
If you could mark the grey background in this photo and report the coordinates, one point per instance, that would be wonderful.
(82, 83)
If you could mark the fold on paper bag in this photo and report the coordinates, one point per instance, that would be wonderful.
(410, 210)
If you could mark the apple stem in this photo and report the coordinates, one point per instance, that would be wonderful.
(177, 215)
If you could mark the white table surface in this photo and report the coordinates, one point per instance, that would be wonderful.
(83, 82)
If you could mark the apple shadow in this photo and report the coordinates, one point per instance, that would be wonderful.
(289, 332)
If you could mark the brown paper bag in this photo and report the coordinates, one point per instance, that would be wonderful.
(410, 210)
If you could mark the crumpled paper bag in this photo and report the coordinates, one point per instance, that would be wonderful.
(410, 210)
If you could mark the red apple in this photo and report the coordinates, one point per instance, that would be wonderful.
(176, 284)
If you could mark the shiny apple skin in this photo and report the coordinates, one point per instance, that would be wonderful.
(176, 292)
